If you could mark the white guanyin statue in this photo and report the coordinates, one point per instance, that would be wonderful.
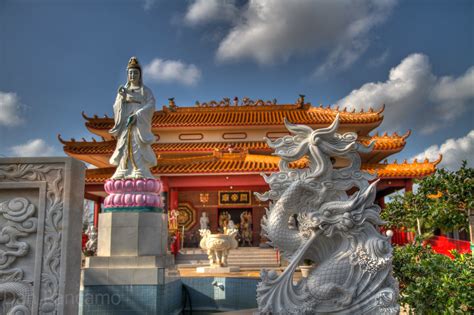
(204, 221)
(133, 113)
(337, 230)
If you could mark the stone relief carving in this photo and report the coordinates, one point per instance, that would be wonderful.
(15, 294)
(53, 176)
(337, 231)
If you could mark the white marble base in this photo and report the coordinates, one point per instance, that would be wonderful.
(217, 269)
(132, 250)
(130, 261)
(132, 234)
(128, 276)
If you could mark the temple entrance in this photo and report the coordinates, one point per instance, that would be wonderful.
(235, 214)
(239, 218)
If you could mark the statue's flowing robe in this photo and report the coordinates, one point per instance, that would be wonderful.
(141, 137)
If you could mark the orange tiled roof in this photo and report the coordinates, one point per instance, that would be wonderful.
(404, 169)
(382, 143)
(263, 114)
(242, 163)
(107, 147)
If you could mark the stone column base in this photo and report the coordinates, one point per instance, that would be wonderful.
(132, 234)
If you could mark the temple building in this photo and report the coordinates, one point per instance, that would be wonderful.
(211, 156)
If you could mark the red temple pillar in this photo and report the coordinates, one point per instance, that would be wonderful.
(381, 201)
(408, 185)
(173, 198)
(164, 183)
(96, 212)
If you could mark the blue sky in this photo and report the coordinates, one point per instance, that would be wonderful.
(59, 58)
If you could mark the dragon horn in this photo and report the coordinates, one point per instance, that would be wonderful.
(329, 130)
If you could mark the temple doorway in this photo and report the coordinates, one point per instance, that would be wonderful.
(242, 220)
(235, 214)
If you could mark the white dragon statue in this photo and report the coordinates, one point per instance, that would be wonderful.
(337, 229)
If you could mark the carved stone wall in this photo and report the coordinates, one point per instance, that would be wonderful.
(41, 202)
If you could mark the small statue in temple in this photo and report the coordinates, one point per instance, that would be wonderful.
(133, 112)
(204, 221)
(224, 218)
(173, 219)
(91, 245)
(245, 228)
(231, 224)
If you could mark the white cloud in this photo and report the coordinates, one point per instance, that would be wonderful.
(10, 109)
(204, 11)
(453, 151)
(268, 31)
(450, 92)
(411, 86)
(148, 4)
(380, 60)
(161, 70)
(34, 147)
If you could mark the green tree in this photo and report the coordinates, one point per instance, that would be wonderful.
(431, 283)
(443, 201)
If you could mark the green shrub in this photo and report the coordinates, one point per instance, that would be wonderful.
(431, 283)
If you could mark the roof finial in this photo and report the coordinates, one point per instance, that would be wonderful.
(407, 134)
(61, 139)
(172, 104)
(85, 117)
(300, 101)
(381, 109)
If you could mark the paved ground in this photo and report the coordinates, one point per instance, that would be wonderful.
(191, 272)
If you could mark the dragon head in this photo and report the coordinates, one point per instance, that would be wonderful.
(319, 146)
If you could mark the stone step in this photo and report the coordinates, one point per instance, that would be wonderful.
(247, 266)
(240, 260)
(247, 257)
(240, 249)
(254, 255)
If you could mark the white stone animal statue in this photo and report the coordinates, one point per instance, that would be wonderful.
(336, 230)
(217, 246)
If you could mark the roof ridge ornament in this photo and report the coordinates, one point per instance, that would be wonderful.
(85, 116)
(61, 139)
(300, 101)
(406, 135)
(381, 109)
(246, 101)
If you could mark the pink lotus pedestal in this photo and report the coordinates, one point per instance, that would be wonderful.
(138, 195)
